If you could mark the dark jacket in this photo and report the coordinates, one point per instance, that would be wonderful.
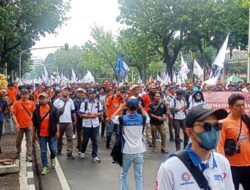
(53, 120)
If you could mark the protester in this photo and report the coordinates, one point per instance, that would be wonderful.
(158, 114)
(90, 111)
(22, 116)
(196, 99)
(46, 128)
(102, 98)
(234, 141)
(81, 95)
(112, 104)
(198, 163)
(178, 108)
(66, 107)
(131, 128)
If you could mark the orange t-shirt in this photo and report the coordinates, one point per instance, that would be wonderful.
(23, 118)
(11, 93)
(231, 129)
(44, 127)
(112, 104)
(36, 95)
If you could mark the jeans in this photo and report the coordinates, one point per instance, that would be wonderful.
(10, 126)
(90, 133)
(112, 128)
(52, 142)
(1, 129)
(127, 160)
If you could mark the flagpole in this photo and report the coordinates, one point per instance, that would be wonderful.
(248, 55)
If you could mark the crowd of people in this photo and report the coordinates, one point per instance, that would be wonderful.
(125, 115)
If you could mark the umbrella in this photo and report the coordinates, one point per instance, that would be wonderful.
(234, 79)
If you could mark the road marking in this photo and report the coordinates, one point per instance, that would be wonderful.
(61, 176)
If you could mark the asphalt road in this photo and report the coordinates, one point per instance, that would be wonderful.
(85, 175)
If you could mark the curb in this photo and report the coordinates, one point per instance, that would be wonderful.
(26, 174)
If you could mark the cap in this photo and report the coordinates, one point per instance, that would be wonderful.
(65, 87)
(200, 112)
(80, 90)
(152, 86)
(134, 86)
(172, 87)
(132, 103)
(24, 90)
(43, 95)
(122, 89)
(91, 91)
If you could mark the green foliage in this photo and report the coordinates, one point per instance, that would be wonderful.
(23, 22)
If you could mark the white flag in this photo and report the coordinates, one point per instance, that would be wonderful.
(184, 70)
(89, 78)
(197, 69)
(139, 81)
(45, 73)
(125, 66)
(73, 76)
(218, 64)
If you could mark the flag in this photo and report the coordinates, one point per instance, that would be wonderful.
(126, 66)
(139, 81)
(184, 70)
(197, 70)
(73, 75)
(218, 64)
(89, 78)
(120, 69)
(45, 73)
(158, 78)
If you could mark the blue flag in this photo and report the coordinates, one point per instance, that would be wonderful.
(120, 69)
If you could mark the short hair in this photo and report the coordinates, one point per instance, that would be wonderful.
(235, 97)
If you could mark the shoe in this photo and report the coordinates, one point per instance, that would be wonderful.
(171, 139)
(79, 153)
(150, 145)
(155, 150)
(45, 171)
(181, 140)
(59, 153)
(164, 151)
(53, 163)
(96, 160)
(17, 157)
(82, 155)
(29, 159)
(70, 157)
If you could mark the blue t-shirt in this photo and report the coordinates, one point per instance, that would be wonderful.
(1, 114)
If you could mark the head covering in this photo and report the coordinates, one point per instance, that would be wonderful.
(80, 90)
(132, 103)
(200, 112)
(43, 95)
(134, 86)
(91, 91)
(24, 90)
(66, 87)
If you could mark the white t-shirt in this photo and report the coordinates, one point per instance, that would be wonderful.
(66, 117)
(174, 175)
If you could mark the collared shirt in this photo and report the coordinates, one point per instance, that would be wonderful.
(174, 175)
(177, 104)
(89, 106)
(66, 117)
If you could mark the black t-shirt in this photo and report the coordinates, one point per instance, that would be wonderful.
(158, 111)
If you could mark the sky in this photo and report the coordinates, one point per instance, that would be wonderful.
(83, 14)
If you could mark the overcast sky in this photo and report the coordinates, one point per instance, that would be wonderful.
(84, 15)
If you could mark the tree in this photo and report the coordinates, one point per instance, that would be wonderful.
(174, 25)
(23, 22)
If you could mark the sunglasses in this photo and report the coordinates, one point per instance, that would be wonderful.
(208, 126)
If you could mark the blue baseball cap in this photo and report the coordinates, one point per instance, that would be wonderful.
(132, 103)
(91, 91)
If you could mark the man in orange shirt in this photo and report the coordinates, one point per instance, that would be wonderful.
(234, 141)
(36, 94)
(112, 104)
(46, 127)
(11, 93)
(22, 116)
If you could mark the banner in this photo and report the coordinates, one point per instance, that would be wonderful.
(219, 100)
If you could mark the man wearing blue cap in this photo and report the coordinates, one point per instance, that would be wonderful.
(90, 111)
(133, 146)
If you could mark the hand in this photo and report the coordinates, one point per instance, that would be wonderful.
(35, 139)
(57, 134)
(17, 127)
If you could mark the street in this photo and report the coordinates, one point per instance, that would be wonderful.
(84, 174)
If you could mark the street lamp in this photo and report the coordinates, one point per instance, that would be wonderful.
(66, 47)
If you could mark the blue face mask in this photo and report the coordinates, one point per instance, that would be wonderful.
(209, 139)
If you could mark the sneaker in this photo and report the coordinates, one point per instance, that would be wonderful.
(155, 150)
(82, 155)
(164, 151)
(96, 160)
(70, 157)
(45, 171)
(53, 163)
(74, 136)
(29, 159)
